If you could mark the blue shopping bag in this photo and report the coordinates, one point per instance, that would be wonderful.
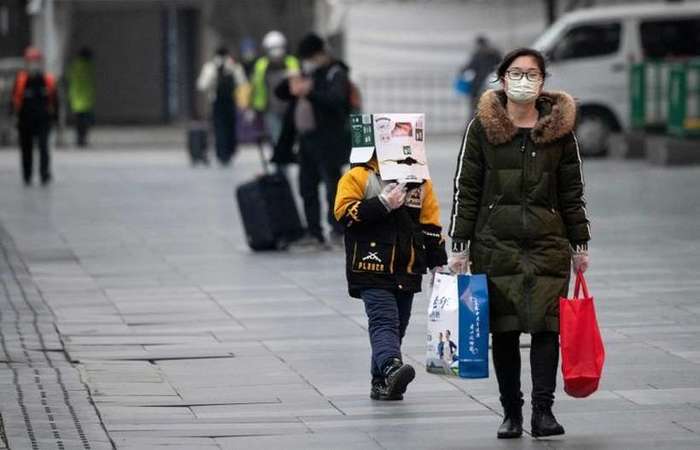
(473, 326)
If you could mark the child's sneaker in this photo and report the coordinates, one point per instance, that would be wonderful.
(379, 391)
(397, 376)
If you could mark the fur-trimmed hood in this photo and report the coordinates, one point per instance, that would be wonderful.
(557, 117)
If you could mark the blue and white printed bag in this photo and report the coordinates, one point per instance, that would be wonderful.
(458, 326)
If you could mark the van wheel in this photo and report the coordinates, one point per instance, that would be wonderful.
(593, 132)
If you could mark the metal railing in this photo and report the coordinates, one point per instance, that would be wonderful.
(684, 99)
(665, 95)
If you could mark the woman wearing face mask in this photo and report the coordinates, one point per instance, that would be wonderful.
(519, 216)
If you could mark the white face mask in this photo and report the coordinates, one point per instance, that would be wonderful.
(276, 53)
(523, 90)
(308, 67)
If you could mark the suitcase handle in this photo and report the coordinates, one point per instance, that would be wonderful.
(261, 152)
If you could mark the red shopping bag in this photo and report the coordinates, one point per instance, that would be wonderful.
(582, 348)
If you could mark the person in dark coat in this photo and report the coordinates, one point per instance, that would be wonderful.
(482, 63)
(519, 216)
(35, 103)
(219, 79)
(321, 97)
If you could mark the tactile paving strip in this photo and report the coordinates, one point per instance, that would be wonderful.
(49, 402)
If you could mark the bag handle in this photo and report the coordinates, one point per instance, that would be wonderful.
(580, 284)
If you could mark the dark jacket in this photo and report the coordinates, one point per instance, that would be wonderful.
(330, 100)
(519, 201)
(34, 98)
(387, 250)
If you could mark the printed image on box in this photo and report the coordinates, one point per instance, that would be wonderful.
(442, 355)
(399, 142)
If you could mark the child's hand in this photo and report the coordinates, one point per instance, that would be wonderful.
(393, 195)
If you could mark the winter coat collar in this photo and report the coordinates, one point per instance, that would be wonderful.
(557, 117)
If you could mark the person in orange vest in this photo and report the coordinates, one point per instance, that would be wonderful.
(35, 103)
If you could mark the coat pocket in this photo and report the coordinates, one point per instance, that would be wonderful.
(373, 256)
(417, 263)
(488, 212)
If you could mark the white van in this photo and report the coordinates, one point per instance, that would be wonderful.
(590, 52)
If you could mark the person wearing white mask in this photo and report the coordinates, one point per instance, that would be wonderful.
(321, 100)
(519, 216)
(269, 71)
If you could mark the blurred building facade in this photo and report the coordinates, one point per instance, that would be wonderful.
(403, 54)
(147, 52)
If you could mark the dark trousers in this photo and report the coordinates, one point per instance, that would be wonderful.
(544, 360)
(83, 121)
(388, 313)
(224, 117)
(27, 134)
(314, 168)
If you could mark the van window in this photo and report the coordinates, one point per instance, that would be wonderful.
(586, 41)
(671, 38)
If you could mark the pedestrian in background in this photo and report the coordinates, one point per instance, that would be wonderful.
(35, 103)
(81, 93)
(322, 107)
(269, 71)
(482, 64)
(249, 54)
(392, 236)
(220, 77)
(519, 216)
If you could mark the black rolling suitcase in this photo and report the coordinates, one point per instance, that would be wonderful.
(197, 143)
(268, 210)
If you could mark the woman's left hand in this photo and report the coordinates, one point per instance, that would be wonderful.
(580, 261)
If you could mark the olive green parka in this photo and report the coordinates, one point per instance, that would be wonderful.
(518, 201)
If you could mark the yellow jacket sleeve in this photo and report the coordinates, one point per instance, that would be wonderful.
(351, 206)
(432, 230)
(430, 211)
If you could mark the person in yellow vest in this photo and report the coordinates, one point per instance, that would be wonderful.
(81, 93)
(268, 72)
(35, 103)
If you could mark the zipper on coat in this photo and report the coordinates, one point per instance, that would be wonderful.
(527, 294)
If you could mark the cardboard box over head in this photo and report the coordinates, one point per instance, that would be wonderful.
(399, 143)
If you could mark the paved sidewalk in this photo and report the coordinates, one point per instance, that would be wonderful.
(183, 339)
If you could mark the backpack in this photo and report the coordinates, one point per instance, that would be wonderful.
(354, 94)
(225, 85)
(355, 98)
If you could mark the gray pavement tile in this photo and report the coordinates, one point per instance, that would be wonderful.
(128, 441)
(191, 288)
(204, 429)
(132, 389)
(310, 441)
(264, 412)
(662, 396)
(132, 339)
(119, 413)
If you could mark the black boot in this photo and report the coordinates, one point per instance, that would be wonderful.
(397, 376)
(512, 426)
(379, 391)
(544, 423)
